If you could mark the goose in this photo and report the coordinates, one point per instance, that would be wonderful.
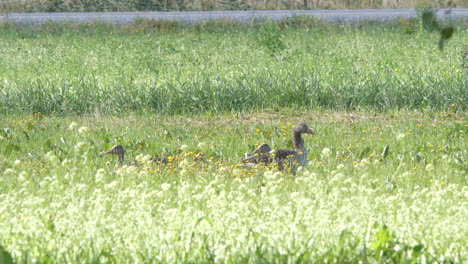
(199, 157)
(120, 152)
(288, 157)
(262, 149)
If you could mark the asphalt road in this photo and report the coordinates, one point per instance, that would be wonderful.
(196, 16)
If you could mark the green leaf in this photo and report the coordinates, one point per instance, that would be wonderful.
(10, 147)
(429, 19)
(5, 256)
(48, 144)
(383, 239)
(418, 248)
(6, 132)
(364, 152)
(445, 34)
(26, 135)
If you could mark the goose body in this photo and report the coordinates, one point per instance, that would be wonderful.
(117, 150)
(262, 149)
(120, 152)
(286, 157)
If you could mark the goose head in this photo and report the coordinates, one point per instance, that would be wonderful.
(303, 128)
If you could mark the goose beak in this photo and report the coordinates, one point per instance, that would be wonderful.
(309, 131)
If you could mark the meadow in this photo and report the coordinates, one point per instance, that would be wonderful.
(221, 66)
(62, 202)
(69, 92)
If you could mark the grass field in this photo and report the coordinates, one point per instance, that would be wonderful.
(164, 90)
(62, 202)
(224, 66)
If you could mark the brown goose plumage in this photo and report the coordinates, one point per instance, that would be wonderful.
(118, 150)
(262, 149)
(287, 157)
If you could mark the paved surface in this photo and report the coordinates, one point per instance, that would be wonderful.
(191, 17)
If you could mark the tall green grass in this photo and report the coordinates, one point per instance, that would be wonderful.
(222, 66)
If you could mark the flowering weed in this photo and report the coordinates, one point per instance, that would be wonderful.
(355, 201)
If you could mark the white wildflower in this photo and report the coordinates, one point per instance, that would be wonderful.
(66, 162)
(83, 130)
(22, 176)
(326, 152)
(80, 147)
(183, 147)
(296, 196)
(429, 167)
(271, 175)
(72, 125)
(9, 171)
(184, 164)
(400, 136)
(348, 181)
(112, 185)
(51, 158)
(81, 187)
(129, 169)
(165, 186)
(100, 174)
(143, 159)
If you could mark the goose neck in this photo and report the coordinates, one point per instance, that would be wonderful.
(298, 142)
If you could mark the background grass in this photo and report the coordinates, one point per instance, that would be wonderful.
(62, 202)
(208, 5)
(219, 66)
